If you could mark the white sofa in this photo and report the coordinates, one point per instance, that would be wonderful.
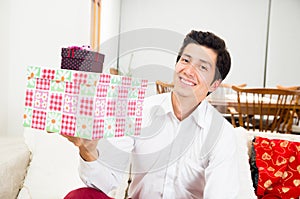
(14, 161)
(52, 171)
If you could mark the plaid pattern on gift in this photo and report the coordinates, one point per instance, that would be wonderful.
(29, 98)
(126, 81)
(72, 88)
(138, 126)
(111, 108)
(131, 108)
(98, 128)
(42, 84)
(141, 93)
(86, 106)
(83, 104)
(102, 91)
(122, 92)
(104, 78)
(68, 125)
(120, 127)
(56, 102)
(80, 78)
(48, 74)
(38, 119)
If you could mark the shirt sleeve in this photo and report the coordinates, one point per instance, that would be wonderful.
(222, 176)
(108, 171)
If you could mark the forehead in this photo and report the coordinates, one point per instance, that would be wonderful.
(200, 53)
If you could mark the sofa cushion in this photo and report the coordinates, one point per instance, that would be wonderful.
(278, 163)
(53, 170)
(246, 186)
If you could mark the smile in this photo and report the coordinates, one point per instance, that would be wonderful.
(189, 83)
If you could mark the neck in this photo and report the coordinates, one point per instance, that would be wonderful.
(183, 106)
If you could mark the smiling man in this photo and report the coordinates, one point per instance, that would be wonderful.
(186, 148)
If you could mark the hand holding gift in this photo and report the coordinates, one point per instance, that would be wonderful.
(87, 148)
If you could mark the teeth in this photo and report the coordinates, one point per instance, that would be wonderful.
(187, 82)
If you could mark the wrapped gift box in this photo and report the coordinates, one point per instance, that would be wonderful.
(77, 58)
(83, 104)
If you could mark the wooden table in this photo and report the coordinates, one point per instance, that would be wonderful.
(222, 104)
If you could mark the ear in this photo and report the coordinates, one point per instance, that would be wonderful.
(215, 85)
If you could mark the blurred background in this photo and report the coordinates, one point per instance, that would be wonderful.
(262, 37)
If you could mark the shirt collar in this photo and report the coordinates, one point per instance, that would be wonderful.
(198, 115)
(166, 104)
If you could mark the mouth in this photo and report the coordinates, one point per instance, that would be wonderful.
(187, 82)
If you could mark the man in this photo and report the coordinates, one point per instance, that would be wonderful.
(186, 149)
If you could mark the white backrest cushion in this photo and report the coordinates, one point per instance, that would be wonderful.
(246, 185)
(53, 170)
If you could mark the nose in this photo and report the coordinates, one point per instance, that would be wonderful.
(190, 70)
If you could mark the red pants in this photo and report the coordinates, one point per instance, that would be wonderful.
(86, 193)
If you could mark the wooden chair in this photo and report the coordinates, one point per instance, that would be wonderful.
(225, 89)
(224, 85)
(293, 88)
(113, 71)
(163, 87)
(264, 109)
(297, 114)
(220, 94)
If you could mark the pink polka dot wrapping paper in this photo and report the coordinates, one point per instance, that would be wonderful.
(83, 104)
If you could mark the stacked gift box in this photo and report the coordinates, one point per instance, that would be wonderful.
(83, 104)
(81, 58)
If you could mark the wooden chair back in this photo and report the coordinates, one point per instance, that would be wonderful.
(293, 88)
(225, 89)
(265, 109)
(163, 87)
(113, 71)
(224, 85)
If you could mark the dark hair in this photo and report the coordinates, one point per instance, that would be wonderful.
(214, 42)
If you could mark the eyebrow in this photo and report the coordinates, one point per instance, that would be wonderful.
(202, 60)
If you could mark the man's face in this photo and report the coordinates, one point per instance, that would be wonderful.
(194, 72)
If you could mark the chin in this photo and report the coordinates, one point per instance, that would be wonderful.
(184, 92)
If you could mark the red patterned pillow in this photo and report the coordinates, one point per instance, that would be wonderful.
(278, 163)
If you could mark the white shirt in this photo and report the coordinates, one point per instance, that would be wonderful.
(171, 158)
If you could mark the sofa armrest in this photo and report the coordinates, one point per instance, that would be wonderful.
(15, 157)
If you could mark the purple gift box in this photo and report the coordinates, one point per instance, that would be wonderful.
(77, 58)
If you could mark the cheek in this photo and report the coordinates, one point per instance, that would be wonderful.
(178, 68)
(205, 79)
(201, 78)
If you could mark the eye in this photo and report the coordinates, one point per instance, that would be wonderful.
(184, 60)
(202, 68)
(205, 68)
